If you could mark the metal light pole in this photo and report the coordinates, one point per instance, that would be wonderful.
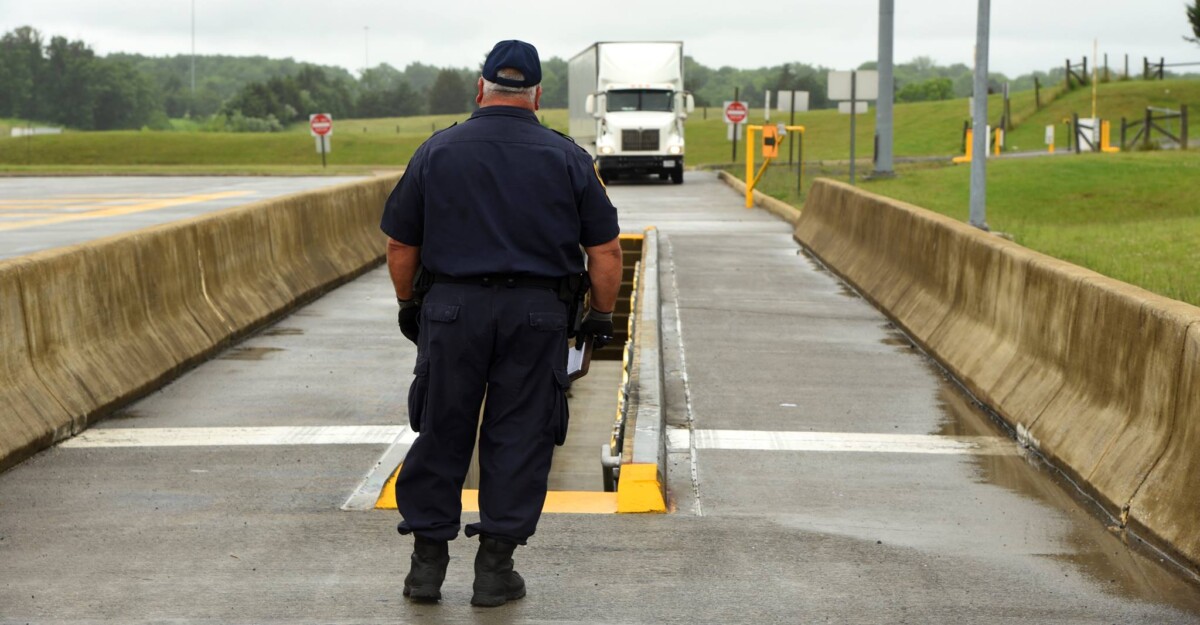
(193, 50)
(366, 48)
(883, 107)
(980, 118)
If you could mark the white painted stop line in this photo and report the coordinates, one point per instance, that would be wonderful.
(756, 440)
(236, 436)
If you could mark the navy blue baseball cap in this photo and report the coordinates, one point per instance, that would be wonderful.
(517, 55)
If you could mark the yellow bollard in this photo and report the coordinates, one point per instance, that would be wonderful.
(966, 158)
(750, 165)
(1106, 145)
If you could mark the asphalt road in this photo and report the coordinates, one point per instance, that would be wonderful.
(822, 470)
(43, 213)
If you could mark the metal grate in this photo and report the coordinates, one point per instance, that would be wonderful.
(639, 140)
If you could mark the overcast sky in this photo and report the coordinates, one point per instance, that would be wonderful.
(1026, 34)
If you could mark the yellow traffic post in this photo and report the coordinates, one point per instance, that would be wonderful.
(772, 140)
(1106, 145)
(966, 157)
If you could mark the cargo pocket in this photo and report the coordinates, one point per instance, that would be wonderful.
(548, 321)
(561, 413)
(441, 313)
(418, 393)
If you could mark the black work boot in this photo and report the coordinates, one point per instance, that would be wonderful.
(429, 560)
(495, 580)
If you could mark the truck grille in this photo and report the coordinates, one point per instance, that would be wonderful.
(639, 140)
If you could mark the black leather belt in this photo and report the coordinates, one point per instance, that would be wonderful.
(512, 281)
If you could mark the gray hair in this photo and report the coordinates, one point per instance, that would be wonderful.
(490, 88)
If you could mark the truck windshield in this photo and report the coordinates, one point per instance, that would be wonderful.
(640, 100)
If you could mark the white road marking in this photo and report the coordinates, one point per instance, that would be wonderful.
(367, 493)
(754, 440)
(231, 436)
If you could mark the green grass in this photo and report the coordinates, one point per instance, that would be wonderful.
(1131, 216)
(921, 129)
(194, 170)
(142, 148)
(1127, 99)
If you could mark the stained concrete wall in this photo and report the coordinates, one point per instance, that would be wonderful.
(1101, 377)
(86, 328)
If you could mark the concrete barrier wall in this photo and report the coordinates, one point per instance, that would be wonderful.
(1096, 374)
(89, 327)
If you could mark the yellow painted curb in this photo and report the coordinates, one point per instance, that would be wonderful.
(557, 501)
(639, 489)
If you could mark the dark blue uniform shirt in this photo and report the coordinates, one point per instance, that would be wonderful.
(500, 194)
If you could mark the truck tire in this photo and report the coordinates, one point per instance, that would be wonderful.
(677, 176)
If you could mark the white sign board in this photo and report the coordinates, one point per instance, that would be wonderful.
(866, 81)
(859, 108)
(328, 144)
(784, 105)
(1050, 134)
(1088, 131)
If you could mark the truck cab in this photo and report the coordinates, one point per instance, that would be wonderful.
(627, 108)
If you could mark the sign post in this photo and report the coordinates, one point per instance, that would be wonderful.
(795, 102)
(853, 86)
(736, 114)
(320, 125)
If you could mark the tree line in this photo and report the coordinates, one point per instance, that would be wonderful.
(64, 82)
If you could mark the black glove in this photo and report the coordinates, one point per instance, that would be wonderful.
(599, 326)
(409, 319)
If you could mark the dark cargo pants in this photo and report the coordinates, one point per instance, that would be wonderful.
(511, 343)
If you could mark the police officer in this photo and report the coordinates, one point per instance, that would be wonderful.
(497, 210)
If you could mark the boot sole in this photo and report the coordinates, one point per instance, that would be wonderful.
(486, 601)
(421, 595)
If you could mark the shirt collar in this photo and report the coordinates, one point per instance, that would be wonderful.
(508, 111)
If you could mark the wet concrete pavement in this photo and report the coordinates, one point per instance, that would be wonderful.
(760, 342)
(44, 213)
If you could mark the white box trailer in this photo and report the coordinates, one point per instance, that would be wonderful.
(626, 106)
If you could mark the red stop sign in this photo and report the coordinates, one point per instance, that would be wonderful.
(320, 124)
(735, 112)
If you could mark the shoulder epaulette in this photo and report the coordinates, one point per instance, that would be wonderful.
(437, 132)
(563, 135)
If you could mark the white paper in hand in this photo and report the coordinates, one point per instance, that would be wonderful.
(578, 359)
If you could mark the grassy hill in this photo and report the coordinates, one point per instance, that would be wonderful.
(1116, 100)
(1131, 216)
(921, 129)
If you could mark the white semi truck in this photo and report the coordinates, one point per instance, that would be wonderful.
(627, 105)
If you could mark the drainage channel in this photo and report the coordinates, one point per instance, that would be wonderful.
(585, 470)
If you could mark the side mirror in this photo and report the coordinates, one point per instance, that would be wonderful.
(589, 104)
(691, 103)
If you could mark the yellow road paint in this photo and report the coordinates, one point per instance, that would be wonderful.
(557, 501)
(639, 489)
(109, 210)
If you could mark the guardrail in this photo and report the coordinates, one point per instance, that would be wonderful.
(90, 327)
(1096, 375)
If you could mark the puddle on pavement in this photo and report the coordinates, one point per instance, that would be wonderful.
(249, 353)
(843, 288)
(1128, 569)
(277, 331)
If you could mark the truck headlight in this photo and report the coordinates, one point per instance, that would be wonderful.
(606, 149)
(675, 149)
